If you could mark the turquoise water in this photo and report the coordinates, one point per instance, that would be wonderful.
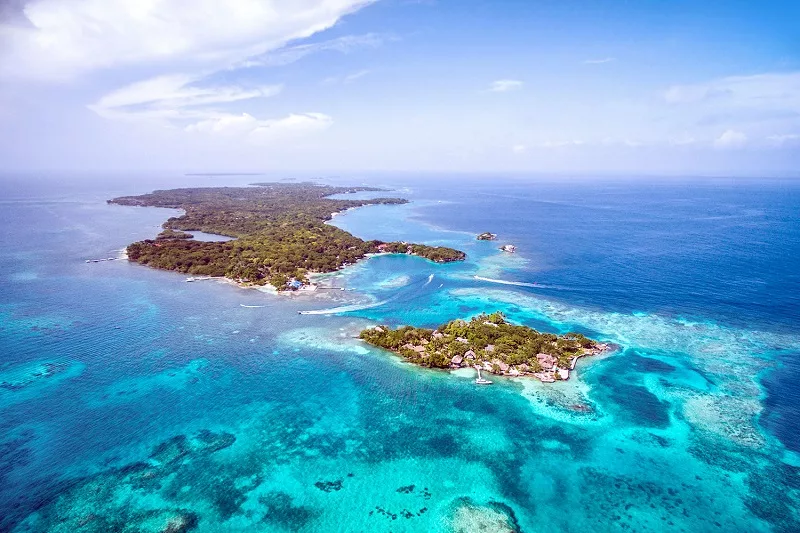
(133, 401)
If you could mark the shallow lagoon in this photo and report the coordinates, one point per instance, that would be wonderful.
(180, 406)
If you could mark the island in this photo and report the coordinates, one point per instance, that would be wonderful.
(486, 236)
(279, 231)
(487, 342)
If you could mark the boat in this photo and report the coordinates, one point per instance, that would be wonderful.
(510, 248)
(480, 380)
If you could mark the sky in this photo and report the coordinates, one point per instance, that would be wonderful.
(594, 86)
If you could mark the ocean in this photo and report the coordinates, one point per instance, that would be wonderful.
(131, 400)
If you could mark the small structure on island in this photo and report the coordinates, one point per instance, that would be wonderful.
(469, 355)
(456, 361)
(501, 365)
(509, 248)
(546, 360)
(294, 284)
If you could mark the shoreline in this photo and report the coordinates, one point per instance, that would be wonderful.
(488, 343)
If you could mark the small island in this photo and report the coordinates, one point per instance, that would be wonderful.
(490, 343)
(279, 231)
(486, 236)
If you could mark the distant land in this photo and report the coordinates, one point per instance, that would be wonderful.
(279, 232)
(224, 174)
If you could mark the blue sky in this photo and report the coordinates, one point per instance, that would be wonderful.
(400, 85)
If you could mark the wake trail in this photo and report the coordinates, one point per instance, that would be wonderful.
(345, 308)
(361, 307)
(523, 284)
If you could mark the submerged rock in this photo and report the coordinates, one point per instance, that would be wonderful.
(207, 441)
(329, 486)
(494, 517)
(171, 450)
(181, 523)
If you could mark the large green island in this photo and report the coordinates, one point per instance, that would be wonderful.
(490, 343)
(279, 231)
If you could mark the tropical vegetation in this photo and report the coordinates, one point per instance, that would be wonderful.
(279, 232)
(487, 340)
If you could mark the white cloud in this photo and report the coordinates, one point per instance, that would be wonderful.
(502, 86)
(70, 37)
(262, 131)
(773, 91)
(225, 125)
(350, 78)
(293, 125)
(173, 92)
(600, 61)
(561, 144)
(784, 139)
(683, 139)
(519, 148)
(760, 105)
(181, 45)
(730, 139)
(174, 100)
(290, 54)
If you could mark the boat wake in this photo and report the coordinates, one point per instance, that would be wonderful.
(252, 306)
(517, 283)
(409, 293)
(345, 308)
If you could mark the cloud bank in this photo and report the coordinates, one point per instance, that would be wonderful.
(185, 44)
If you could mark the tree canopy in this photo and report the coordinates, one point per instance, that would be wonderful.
(279, 230)
(486, 338)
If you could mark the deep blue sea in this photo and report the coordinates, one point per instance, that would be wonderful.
(133, 401)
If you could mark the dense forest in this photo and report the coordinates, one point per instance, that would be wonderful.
(279, 230)
(489, 342)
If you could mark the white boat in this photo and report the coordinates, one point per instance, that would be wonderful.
(481, 381)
